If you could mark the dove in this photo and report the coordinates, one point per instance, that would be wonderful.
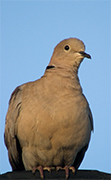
(49, 121)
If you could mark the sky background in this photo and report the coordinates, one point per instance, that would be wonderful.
(29, 32)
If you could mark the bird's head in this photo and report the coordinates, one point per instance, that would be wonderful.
(69, 52)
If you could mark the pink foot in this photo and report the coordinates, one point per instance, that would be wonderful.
(40, 168)
(66, 168)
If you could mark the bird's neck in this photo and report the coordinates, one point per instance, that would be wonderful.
(64, 75)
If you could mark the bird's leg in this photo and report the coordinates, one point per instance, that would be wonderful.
(66, 168)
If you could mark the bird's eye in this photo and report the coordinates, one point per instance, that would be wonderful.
(66, 48)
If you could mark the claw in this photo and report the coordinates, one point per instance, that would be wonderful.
(47, 168)
(72, 169)
(41, 172)
(67, 171)
(34, 169)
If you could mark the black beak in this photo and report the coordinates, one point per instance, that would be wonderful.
(85, 54)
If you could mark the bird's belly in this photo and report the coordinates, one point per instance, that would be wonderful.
(53, 142)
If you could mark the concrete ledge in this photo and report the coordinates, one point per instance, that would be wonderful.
(80, 175)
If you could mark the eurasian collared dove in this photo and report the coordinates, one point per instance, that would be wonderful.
(49, 122)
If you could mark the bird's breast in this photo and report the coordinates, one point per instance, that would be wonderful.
(61, 120)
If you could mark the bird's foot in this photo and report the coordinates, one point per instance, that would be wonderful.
(41, 170)
(66, 168)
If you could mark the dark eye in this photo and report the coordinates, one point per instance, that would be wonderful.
(66, 47)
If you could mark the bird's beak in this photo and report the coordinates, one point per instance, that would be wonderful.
(85, 54)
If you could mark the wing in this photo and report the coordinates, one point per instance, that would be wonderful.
(11, 140)
(89, 114)
(90, 118)
(81, 153)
